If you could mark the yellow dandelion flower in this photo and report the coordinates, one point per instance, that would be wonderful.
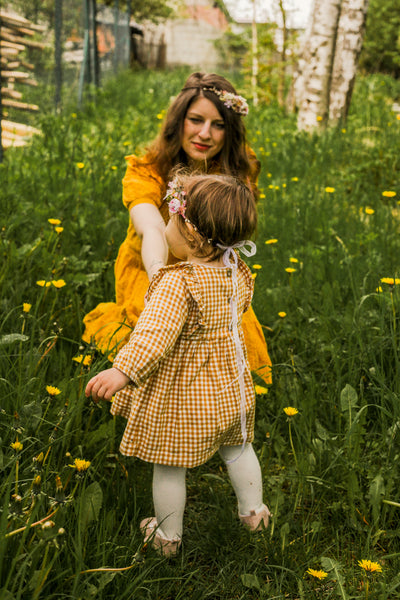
(290, 270)
(80, 165)
(379, 289)
(54, 221)
(253, 275)
(17, 446)
(282, 314)
(80, 465)
(344, 130)
(283, 185)
(52, 391)
(319, 118)
(389, 194)
(160, 116)
(290, 411)
(269, 175)
(294, 179)
(26, 307)
(257, 266)
(271, 241)
(43, 283)
(317, 574)
(271, 187)
(370, 566)
(59, 229)
(329, 190)
(85, 360)
(58, 283)
(259, 390)
(126, 143)
(293, 260)
(74, 115)
(114, 168)
(276, 187)
(390, 280)
(262, 196)
(369, 210)
(398, 117)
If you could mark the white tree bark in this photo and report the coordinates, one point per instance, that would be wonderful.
(329, 61)
(313, 87)
(348, 47)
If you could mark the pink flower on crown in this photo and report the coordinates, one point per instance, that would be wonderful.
(175, 197)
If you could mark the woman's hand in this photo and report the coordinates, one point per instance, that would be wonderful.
(106, 383)
(150, 226)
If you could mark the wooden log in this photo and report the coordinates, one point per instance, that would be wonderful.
(27, 65)
(13, 19)
(19, 128)
(13, 143)
(19, 105)
(9, 93)
(31, 82)
(14, 75)
(11, 66)
(23, 42)
(12, 45)
(9, 52)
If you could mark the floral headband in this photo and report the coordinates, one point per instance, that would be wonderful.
(233, 101)
(175, 197)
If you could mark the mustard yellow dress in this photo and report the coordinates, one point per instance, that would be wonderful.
(110, 324)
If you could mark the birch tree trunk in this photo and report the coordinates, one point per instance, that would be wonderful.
(329, 62)
(313, 87)
(348, 48)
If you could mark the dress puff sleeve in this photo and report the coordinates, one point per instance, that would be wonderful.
(157, 329)
(141, 184)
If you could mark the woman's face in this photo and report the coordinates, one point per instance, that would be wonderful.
(203, 131)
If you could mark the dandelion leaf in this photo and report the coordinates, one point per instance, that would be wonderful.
(334, 568)
(348, 398)
(90, 504)
(11, 338)
(250, 580)
(31, 414)
(375, 494)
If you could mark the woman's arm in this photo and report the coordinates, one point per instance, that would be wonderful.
(150, 226)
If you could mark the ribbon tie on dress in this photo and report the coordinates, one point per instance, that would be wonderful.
(240, 360)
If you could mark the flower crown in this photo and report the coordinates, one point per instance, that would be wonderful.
(175, 197)
(233, 101)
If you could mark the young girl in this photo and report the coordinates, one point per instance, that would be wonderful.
(183, 381)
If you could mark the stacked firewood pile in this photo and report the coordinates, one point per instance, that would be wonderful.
(16, 35)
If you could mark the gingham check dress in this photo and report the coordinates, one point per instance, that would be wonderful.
(184, 400)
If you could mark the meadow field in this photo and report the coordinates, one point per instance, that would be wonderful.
(327, 292)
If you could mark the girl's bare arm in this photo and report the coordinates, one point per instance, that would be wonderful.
(150, 226)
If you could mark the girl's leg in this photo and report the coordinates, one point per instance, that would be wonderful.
(245, 476)
(169, 497)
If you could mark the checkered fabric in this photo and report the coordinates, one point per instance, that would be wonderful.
(184, 401)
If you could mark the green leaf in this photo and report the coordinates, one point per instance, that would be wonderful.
(334, 568)
(348, 398)
(11, 338)
(250, 580)
(31, 415)
(90, 504)
(376, 493)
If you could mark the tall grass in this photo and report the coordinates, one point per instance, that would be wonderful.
(331, 470)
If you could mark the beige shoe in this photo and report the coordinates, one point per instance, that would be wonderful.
(256, 521)
(160, 543)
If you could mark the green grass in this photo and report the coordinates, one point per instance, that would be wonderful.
(331, 472)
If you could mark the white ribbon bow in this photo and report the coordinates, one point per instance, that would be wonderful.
(240, 360)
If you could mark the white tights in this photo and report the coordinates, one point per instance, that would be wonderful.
(169, 488)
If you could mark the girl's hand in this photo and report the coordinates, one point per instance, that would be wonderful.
(104, 385)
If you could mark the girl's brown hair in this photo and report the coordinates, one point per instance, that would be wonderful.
(166, 151)
(221, 209)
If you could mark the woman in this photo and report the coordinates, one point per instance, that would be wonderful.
(203, 130)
